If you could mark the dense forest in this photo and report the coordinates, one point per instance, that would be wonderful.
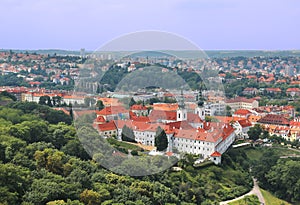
(279, 175)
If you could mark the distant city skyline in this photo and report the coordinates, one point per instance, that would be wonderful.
(210, 24)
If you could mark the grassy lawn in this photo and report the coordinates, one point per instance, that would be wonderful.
(271, 199)
(247, 200)
(257, 152)
(124, 145)
(254, 153)
(283, 150)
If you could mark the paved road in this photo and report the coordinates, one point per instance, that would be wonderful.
(293, 155)
(255, 191)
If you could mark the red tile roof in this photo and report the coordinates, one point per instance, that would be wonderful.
(142, 126)
(109, 126)
(242, 112)
(156, 115)
(216, 154)
(112, 110)
(215, 133)
(277, 90)
(35, 83)
(245, 123)
(274, 119)
(183, 125)
(100, 119)
(296, 90)
(194, 118)
(240, 99)
(133, 117)
(294, 123)
(138, 107)
(165, 106)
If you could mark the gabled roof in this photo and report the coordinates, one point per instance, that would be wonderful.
(214, 134)
(242, 112)
(245, 123)
(112, 110)
(180, 125)
(193, 118)
(100, 119)
(109, 126)
(156, 115)
(142, 126)
(216, 154)
(293, 90)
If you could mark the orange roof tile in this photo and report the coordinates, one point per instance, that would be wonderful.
(112, 110)
(156, 115)
(165, 106)
(245, 123)
(138, 107)
(216, 154)
(109, 126)
(242, 112)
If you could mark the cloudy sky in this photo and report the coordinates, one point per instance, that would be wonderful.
(211, 24)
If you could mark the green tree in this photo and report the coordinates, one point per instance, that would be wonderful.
(7, 94)
(14, 181)
(50, 159)
(45, 100)
(161, 140)
(90, 197)
(100, 105)
(30, 131)
(56, 101)
(75, 148)
(60, 134)
(127, 134)
(228, 111)
(132, 102)
(286, 184)
(255, 132)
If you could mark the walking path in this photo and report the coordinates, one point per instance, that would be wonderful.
(289, 156)
(255, 191)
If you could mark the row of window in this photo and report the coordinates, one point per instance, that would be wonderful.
(179, 146)
(110, 132)
(186, 140)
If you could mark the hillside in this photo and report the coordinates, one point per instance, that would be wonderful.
(42, 160)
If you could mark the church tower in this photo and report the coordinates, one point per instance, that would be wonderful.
(181, 112)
